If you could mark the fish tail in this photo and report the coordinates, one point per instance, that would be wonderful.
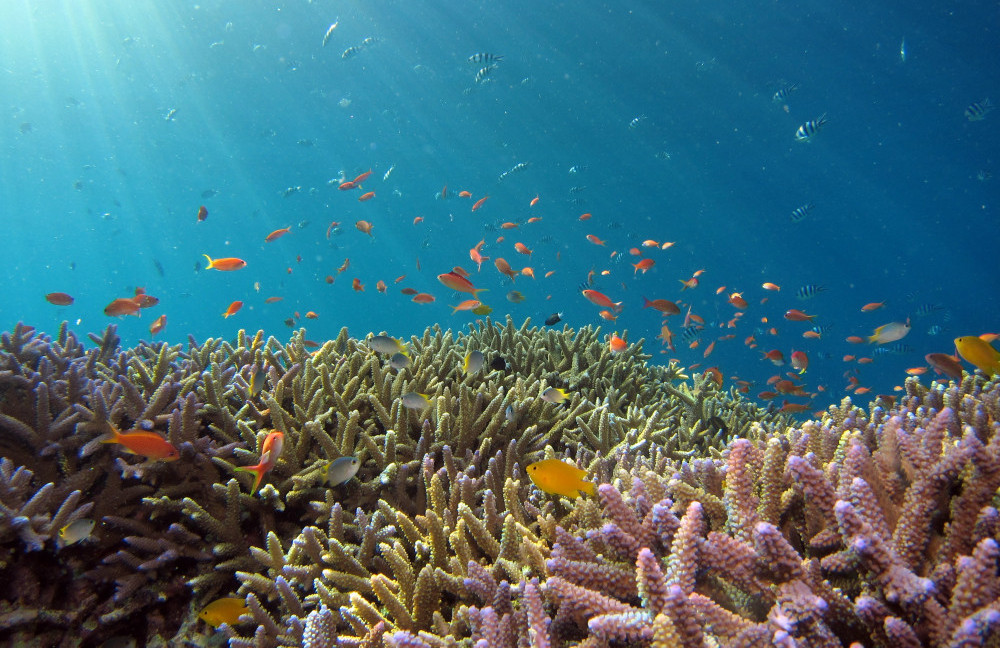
(257, 470)
(115, 435)
(476, 291)
(590, 488)
(210, 262)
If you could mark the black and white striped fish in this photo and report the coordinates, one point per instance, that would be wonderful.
(978, 110)
(926, 309)
(782, 94)
(809, 291)
(520, 166)
(806, 131)
(799, 213)
(485, 57)
(484, 73)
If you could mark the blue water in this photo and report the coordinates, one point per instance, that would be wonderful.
(100, 189)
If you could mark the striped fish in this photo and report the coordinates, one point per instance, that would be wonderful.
(926, 309)
(809, 291)
(484, 73)
(806, 131)
(894, 349)
(799, 213)
(782, 94)
(485, 57)
(978, 110)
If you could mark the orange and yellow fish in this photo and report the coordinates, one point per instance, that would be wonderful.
(225, 264)
(148, 444)
(277, 234)
(274, 442)
(560, 478)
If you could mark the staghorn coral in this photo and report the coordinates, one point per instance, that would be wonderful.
(715, 523)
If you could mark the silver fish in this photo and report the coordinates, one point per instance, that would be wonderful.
(473, 362)
(329, 31)
(340, 471)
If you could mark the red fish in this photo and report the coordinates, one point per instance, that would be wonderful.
(504, 267)
(600, 299)
(616, 344)
(148, 444)
(345, 186)
(144, 300)
(202, 213)
(423, 298)
(522, 248)
(665, 306)
(534, 201)
(366, 196)
(270, 451)
(795, 315)
(121, 307)
(233, 309)
(593, 239)
(361, 178)
(365, 226)
(479, 203)
(59, 298)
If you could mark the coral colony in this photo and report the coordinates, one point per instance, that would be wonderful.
(715, 523)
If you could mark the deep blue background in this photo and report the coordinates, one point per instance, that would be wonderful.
(97, 186)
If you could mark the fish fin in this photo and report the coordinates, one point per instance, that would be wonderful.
(257, 470)
(209, 266)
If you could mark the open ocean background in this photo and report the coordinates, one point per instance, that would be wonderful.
(664, 109)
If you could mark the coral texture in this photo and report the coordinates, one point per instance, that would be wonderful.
(716, 523)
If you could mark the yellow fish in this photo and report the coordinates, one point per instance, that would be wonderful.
(76, 532)
(223, 610)
(560, 478)
(978, 352)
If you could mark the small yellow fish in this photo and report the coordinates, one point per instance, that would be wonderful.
(980, 353)
(482, 309)
(560, 478)
(223, 610)
(554, 395)
(76, 531)
(473, 362)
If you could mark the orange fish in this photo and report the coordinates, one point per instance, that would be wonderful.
(144, 300)
(872, 306)
(121, 307)
(333, 225)
(344, 186)
(812, 335)
(479, 203)
(368, 195)
(689, 283)
(770, 286)
(423, 298)
(409, 291)
(854, 339)
(380, 286)
(277, 234)
(357, 285)
(347, 262)
(467, 305)
(158, 324)
(634, 251)
(202, 213)
(59, 298)
(709, 349)
(593, 239)
(667, 245)
(476, 257)
(417, 220)
(601, 299)
(361, 178)
(586, 216)
(522, 248)
(233, 308)
(364, 226)
(508, 225)
(776, 357)
(667, 336)
(311, 315)
(534, 219)
(736, 299)
(225, 264)
(505, 268)
(643, 265)
(399, 278)
(665, 306)
(444, 192)
(270, 451)
(528, 272)
(464, 194)
(795, 315)
(549, 273)
(917, 371)
(616, 344)
(650, 243)
(608, 315)
(459, 283)
(330, 279)
(271, 300)
(148, 444)
(534, 201)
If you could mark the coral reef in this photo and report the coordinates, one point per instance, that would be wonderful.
(717, 523)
